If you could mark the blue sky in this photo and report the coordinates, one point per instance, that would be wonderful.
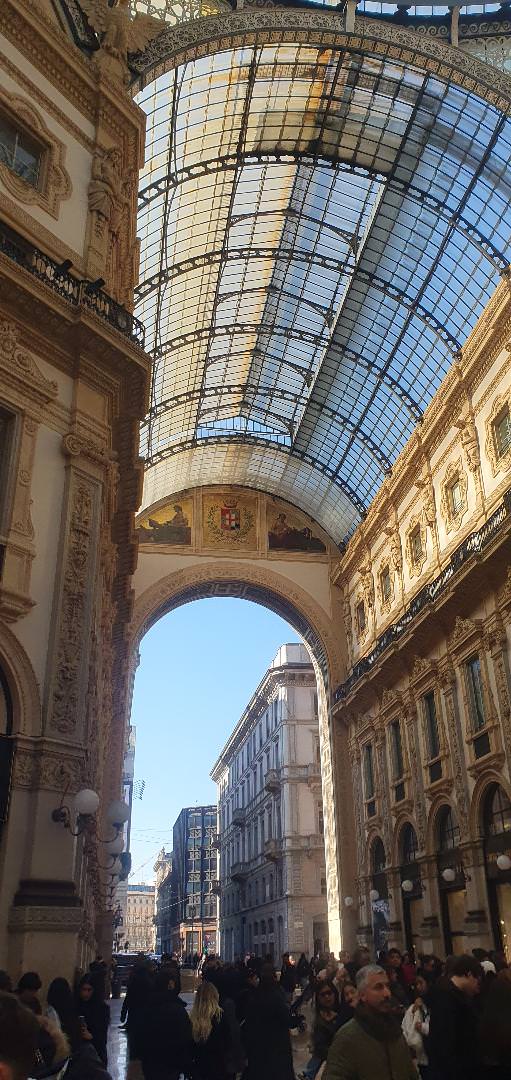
(198, 668)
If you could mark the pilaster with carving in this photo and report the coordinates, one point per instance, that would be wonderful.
(74, 599)
(447, 679)
(496, 644)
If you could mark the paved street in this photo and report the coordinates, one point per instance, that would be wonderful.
(118, 1048)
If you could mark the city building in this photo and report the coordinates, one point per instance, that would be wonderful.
(140, 929)
(193, 893)
(121, 892)
(255, 325)
(163, 901)
(272, 858)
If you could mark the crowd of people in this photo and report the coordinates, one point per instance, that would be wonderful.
(394, 1019)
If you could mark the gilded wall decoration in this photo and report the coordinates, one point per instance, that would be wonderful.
(500, 462)
(53, 183)
(287, 532)
(171, 524)
(453, 512)
(229, 521)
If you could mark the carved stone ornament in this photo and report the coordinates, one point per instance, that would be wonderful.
(422, 668)
(499, 462)
(112, 244)
(20, 369)
(470, 443)
(53, 183)
(504, 594)
(367, 585)
(453, 514)
(361, 631)
(74, 445)
(464, 629)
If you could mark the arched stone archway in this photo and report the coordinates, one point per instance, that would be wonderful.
(163, 583)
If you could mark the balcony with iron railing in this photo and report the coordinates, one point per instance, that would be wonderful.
(88, 296)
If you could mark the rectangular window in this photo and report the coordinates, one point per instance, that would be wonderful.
(21, 152)
(431, 725)
(475, 689)
(368, 771)
(503, 432)
(386, 584)
(455, 496)
(416, 544)
(361, 617)
(397, 750)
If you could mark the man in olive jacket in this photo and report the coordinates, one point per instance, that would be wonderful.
(371, 1046)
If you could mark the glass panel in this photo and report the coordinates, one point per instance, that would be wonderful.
(19, 151)
(476, 693)
(320, 232)
(499, 813)
(368, 771)
(448, 830)
(431, 725)
(456, 903)
(504, 914)
(503, 432)
(397, 750)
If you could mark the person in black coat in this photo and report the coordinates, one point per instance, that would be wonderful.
(266, 1031)
(96, 1014)
(495, 1030)
(165, 1034)
(133, 1007)
(211, 1048)
(452, 1042)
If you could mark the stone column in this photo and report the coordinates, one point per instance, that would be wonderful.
(47, 902)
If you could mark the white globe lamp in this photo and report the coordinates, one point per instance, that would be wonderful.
(348, 901)
(407, 885)
(118, 813)
(449, 874)
(374, 895)
(504, 862)
(86, 802)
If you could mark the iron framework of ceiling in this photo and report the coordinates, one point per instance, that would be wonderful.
(320, 231)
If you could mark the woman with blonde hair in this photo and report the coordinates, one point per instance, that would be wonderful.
(210, 1034)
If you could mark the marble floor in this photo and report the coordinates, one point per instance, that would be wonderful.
(120, 1069)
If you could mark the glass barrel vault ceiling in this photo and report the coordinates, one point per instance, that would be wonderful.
(320, 231)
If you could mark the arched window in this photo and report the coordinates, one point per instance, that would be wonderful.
(409, 846)
(497, 812)
(378, 860)
(448, 830)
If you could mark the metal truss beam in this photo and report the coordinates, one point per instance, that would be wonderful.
(253, 440)
(277, 393)
(230, 162)
(408, 302)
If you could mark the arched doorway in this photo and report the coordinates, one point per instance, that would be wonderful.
(451, 880)
(199, 577)
(411, 884)
(497, 850)
(379, 895)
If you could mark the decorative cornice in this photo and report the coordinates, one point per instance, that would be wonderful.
(204, 36)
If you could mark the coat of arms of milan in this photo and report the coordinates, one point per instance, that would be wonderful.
(230, 518)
